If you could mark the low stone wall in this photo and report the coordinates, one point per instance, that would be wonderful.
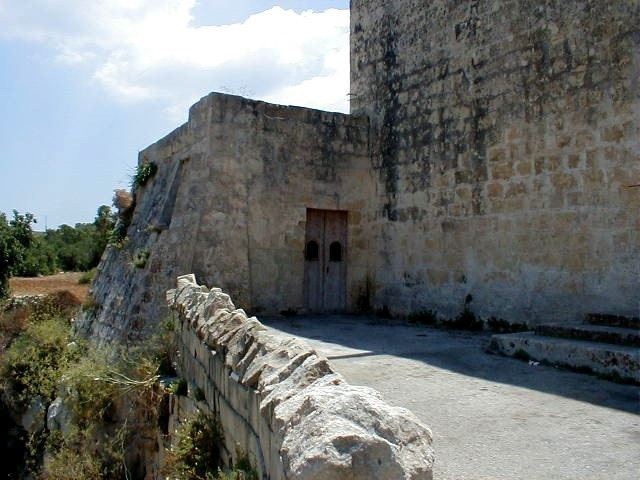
(283, 405)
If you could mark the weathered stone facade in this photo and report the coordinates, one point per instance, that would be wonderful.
(229, 203)
(489, 154)
(508, 134)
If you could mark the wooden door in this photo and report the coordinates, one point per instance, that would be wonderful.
(325, 274)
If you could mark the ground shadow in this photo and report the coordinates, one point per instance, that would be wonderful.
(461, 352)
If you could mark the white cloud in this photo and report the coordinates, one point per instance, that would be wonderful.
(149, 49)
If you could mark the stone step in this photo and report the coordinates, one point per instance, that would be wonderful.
(616, 362)
(612, 320)
(591, 333)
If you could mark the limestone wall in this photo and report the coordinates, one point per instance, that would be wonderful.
(509, 132)
(229, 202)
(284, 405)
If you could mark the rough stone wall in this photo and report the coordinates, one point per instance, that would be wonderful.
(284, 405)
(229, 202)
(508, 133)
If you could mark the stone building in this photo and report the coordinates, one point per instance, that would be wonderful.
(489, 153)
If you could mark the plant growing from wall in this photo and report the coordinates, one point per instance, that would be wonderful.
(118, 237)
(465, 320)
(145, 172)
(423, 317)
(195, 454)
(500, 325)
(140, 259)
(110, 396)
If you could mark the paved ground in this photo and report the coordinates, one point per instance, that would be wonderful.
(492, 417)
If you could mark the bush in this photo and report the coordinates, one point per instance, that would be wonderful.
(145, 172)
(118, 236)
(34, 362)
(88, 276)
(140, 259)
(195, 455)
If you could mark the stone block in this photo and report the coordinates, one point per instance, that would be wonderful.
(272, 397)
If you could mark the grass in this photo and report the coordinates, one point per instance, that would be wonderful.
(111, 396)
(87, 277)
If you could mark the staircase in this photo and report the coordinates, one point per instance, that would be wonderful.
(607, 345)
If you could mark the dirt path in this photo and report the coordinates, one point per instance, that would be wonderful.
(49, 284)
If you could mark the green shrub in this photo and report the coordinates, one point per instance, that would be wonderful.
(179, 388)
(145, 172)
(195, 455)
(141, 258)
(88, 276)
(118, 236)
(35, 361)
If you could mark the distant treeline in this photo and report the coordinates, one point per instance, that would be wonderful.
(24, 252)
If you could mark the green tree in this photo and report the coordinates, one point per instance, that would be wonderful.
(16, 237)
(104, 223)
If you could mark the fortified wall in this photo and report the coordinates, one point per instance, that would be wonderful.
(283, 405)
(489, 153)
(229, 202)
(509, 131)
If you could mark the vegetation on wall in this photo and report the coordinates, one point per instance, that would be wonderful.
(145, 172)
(109, 396)
(109, 402)
(195, 454)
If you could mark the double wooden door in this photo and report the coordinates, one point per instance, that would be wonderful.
(325, 273)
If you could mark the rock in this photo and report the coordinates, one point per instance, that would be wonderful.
(58, 416)
(343, 431)
(33, 418)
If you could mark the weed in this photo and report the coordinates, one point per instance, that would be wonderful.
(141, 258)
(195, 455)
(423, 317)
(520, 354)
(617, 378)
(198, 395)
(466, 320)
(242, 470)
(179, 388)
(153, 228)
(499, 325)
(88, 276)
(145, 172)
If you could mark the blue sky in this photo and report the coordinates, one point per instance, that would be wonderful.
(84, 86)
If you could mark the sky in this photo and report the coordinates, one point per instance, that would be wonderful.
(85, 85)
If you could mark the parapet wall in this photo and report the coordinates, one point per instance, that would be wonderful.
(284, 405)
